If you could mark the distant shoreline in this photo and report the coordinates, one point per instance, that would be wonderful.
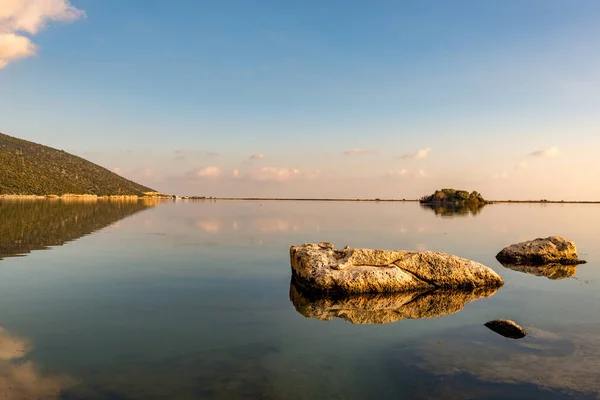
(385, 200)
(202, 198)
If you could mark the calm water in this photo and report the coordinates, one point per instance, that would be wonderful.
(187, 300)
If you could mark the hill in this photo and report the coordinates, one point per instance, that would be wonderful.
(29, 168)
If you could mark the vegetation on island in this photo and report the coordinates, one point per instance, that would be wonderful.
(452, 202)
(453, 196)
(28, 168)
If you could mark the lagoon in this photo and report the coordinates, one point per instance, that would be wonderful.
(193, 299)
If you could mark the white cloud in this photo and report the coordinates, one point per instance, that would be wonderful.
(501, 175)
(210, 172)
(29, 16)
(420, 154)
(358, 152)
(422, 174)
(258, 156)
(14, 47)
(116, 170)
(280, 174)
(549, 152)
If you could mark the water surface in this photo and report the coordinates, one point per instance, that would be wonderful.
(186, 300)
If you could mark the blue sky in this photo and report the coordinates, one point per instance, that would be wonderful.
(333, 98)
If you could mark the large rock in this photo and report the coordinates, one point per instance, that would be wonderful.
(383, 308)
(551, 250)
(321, 267)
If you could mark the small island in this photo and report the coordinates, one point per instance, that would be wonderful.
(452, 202)
(454, 197)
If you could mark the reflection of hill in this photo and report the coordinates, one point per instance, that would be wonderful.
(454, 209)
(383, 308)
(27, 225)
(550, 271)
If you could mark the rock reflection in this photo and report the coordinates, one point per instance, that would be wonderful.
(550, 271)
(383, 308)
(452, 210)
(23, 379)
(27, 225)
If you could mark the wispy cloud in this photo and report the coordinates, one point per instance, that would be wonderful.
(522, 165)
(422, 174)
(358, 152)
(183, 154)
(500, 175)
(20, 17)
(549, 152)
(258, 156)
(418, 155)
(281, 174)
(398, 172)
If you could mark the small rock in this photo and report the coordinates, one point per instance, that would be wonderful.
(551, 250)
(507, 328)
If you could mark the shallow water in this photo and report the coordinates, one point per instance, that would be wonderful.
(186, 300)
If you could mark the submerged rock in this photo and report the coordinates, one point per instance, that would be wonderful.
(323, 268)
(507, 328)
(383, 308)
(551, 250)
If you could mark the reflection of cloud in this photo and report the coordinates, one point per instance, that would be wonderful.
(12, 347)
(23, 379)
(209, 226)
(274, 225)
(543, 359)
(549, 152)
(420, 154)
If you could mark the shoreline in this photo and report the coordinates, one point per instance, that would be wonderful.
(202, 198)
(384, 200)
(83, 197)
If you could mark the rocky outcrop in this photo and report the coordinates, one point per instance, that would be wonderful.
(453, 197)
(507, 328)
(323, 268)
(551, 250)
(383, 308)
